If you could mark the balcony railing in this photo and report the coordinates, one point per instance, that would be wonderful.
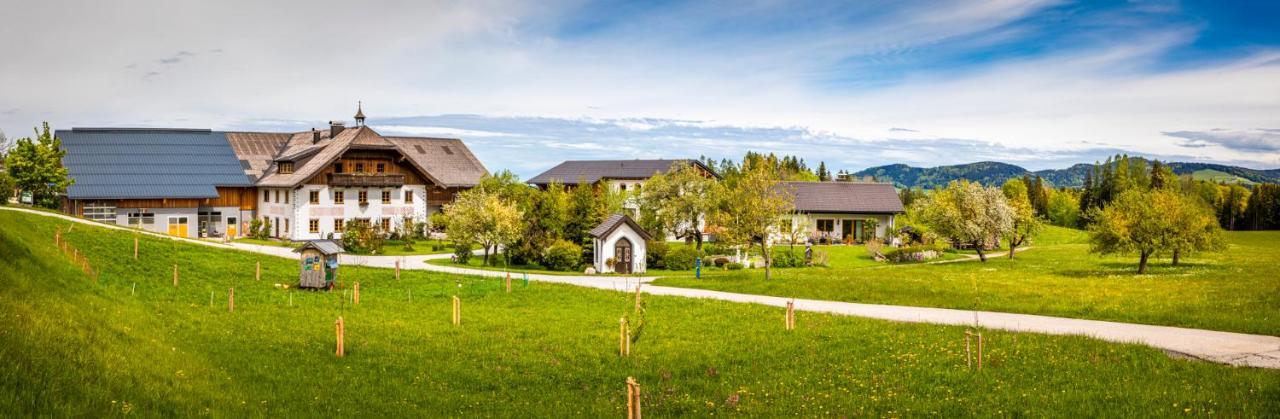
(371, 180)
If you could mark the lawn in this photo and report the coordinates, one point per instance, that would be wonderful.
(133, 344)
(1235, 290)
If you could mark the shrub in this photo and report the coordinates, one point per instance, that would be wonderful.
(915, 253)
(733, 266)
(819, 258)
(462, 252)
(787, 258)
(720, 261)
(562, 255)
(656, 254)
(682, 258)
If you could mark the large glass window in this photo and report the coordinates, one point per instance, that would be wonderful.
(100, 211)
(826, 225)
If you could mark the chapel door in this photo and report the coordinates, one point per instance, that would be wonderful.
(622, 256)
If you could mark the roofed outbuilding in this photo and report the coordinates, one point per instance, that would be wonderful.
(138, 163)
(576, 172)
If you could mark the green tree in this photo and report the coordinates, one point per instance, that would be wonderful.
(483, 217)
(678, 202)
(1152, 222)
(823, 174)
(36, 167)
(967, 212)
(1025, 221)
(750, 210)
(7, 185)
(1064, 207)
(1234, 202)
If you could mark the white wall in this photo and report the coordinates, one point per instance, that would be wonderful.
(326, 211)
(808, 222)
(605, 249)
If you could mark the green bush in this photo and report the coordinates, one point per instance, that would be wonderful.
(682, 258)
(656, 254)
(720, 261)
(733, 266)
(562, 255)
(908, 253)
(462, 252)
(787, 258)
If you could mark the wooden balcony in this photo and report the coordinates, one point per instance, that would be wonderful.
(366, 179)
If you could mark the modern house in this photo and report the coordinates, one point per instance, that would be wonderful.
(837, 212)
(203, 183)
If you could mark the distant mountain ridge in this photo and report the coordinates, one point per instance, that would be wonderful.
(995, 173)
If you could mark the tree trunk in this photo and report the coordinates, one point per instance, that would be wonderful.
(697, 237)
(1013, 245)
(1176, 253)
(486, 255)
(1142, 262)
(768, 265)
(978, 245)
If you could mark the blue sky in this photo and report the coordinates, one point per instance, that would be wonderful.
(1043, 84)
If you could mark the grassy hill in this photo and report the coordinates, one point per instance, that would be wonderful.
(131, 343)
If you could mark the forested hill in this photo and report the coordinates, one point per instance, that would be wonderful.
(995, 173)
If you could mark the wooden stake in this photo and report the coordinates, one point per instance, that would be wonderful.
(340, 330)
(791, 315)
(135, 248)
(624, 338)
(231, 299)
(968, 353)
(457, 310)
(979, 351)
(257, 271)
(633, 398)
(355, 294)
(637, 310)
(397, 270)
(175, 276)
(508, 282)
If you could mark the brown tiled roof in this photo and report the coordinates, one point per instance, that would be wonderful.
(574, 172)
(613, 222)
(256, 149)
(845, 197)
(300, 143)
(447, 160)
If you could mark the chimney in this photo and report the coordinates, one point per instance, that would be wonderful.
(335, 128)
(315, 136)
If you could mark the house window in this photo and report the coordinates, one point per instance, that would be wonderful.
(286, 196)
(408, 196)
(359, 167)
(315, 197)
(826, 226)
(286, 227)
(381, 168)
(100, 211)
(337, 167)
(266, 196)
(339, 197)
(286, 167)
(277, 196)
(622, 186)
(386, 224)
(364, 197)
(386, 197)
(313, 226)
(337, 225)
(138, 219)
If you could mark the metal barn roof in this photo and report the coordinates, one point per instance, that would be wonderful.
(137, 163)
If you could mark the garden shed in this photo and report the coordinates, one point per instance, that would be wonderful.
(319, 263)
(619, 245)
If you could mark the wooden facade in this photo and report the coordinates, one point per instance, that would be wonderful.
(393, 164)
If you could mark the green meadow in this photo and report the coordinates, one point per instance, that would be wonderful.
(130, 343)
(1234, 290)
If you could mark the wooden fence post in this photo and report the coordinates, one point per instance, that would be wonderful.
(231, 299)
(791, 315)
(257, 271)
(457, 310)
(175, 275)
(624, 340)
(633, 398)
(355, 294)
(340, 331)
(508, 282)
(397, 270)
(135, 248)
(979, 351)
(968, 352)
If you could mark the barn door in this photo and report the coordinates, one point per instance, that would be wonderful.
(178, 226)
(231, 226)
(622, 256)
